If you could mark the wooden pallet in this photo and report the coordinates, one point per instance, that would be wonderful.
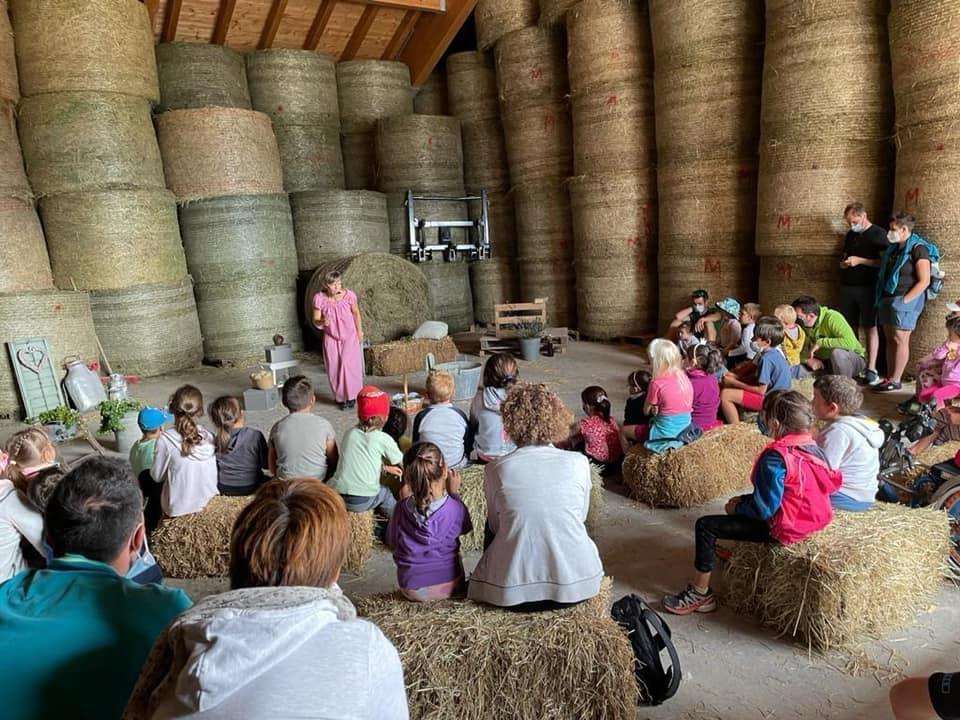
(511, 317)
(559, 336)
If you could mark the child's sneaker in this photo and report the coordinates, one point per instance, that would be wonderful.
(690, 601)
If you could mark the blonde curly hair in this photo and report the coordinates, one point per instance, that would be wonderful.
(533, 414)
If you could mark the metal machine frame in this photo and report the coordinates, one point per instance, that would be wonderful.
(478, 246)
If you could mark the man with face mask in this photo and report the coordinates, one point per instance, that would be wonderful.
(696, 315)
(862, 248)
(831, 344)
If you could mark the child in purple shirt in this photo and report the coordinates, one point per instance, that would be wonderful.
(703, 361)
(426, 526)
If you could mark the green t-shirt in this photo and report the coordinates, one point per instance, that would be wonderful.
(141, 455)
(362, 457)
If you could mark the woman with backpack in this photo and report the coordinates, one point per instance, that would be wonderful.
(792, 484)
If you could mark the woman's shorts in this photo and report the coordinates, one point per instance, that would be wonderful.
(752, 401)
(894, 312)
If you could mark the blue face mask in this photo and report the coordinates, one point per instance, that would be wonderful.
(761, 425)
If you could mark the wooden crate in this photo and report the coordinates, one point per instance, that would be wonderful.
(509, 317)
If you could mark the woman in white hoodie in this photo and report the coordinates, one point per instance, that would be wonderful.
(490, 439)
(185, 459)
(284, 642)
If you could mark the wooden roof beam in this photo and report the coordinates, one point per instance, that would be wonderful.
(359, 33)
(399, 39)
(152, 6)
(170, 20)
(430, 6)
(272, 25)
(319, 24)
(431, 37)
(224, 16)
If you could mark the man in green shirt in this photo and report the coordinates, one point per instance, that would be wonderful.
(831, 344)
(74, 637)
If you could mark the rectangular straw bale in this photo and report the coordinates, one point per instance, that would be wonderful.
(406, 356)
(198, 545)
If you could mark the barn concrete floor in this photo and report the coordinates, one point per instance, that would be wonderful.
(733, 669)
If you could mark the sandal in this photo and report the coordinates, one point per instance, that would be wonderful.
(887, 386)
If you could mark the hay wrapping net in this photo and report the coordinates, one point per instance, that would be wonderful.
(408, 355)
(196, 75)
(449, 284)
(370, 90)
(63, 318)
(13, 178)
(785, 278)
(102, 45)
(9, 82)
(81, 141)
(554, 12)
(719, 275)
(485, 157)
(294, 87)
(716, 465)
(331, 224)
(359, 159)
(493, 282)
(24, 263)
(392, 293)
(113, 239)
(212, 152)
(531, 67)
(472, 86)
(419, 152)
(311, 157)
(431, 98)
(539, 142)
(501, 222)
(862, 576)
(496, 18)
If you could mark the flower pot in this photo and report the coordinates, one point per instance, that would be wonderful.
(530, 348)
(130, 433)
(59, 432)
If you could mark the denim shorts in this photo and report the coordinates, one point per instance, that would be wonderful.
(894, 312)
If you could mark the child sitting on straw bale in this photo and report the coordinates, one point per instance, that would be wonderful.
(793, 337)
(728, 336)
(242, 455)
(301, 444)
(744, 350)
(669, 398)
(538, 555)
(939, 372)
(636, 423)
(365, 452)
(850, 441)
(426, 526)
(687, 338)
(598, 434)
(444, 424)
(396, 427)
(151, 421)
(500, 373)
(185, 460)
(792, 484)
(772, 373)
(936, 697)
(703, 361)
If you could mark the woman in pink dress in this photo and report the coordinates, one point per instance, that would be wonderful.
(335, 311)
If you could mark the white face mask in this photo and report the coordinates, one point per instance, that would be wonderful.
(857, 227)
(698, 307)
(893, 237)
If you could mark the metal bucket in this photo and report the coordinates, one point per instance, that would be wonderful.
(465, 374)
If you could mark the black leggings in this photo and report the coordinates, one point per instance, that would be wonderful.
(711, 528)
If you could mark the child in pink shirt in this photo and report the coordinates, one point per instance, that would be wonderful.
(669, 397)
(598, 432)
(939, 372)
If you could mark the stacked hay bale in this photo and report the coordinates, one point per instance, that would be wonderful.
(223, 165)
(196, 75)
(496, 18)
(472, 93)
(368, 91)
(815, 154)
(431, 98)
(532, 83)
(928, 151)
(423, 154)
(89, 78)
(708, 60)
(613, 196)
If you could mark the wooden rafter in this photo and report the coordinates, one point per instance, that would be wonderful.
(224, 16)
(433, 6)
(152, 6)
(272, 25)
(319, 24)
(359, 33)
(431, 38)
(399, 38)
(170, 20)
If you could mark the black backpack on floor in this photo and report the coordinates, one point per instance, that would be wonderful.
(649, 636)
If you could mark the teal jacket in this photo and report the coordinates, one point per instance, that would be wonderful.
(74, 637)
(832, 331)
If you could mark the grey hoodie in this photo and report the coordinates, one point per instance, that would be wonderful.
(489, 437)
(851, 444)
(287, 652)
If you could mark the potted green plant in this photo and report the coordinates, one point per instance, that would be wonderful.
(61, 422)
(120, 418)
(530, 334)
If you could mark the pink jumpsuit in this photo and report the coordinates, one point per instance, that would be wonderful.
(342, 354)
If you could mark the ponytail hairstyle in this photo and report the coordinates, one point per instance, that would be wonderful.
(500, 371)
(225, 412)
(705, 357)
(596, 400)
(24, 449)
(639, 381)
(791, 410)
(423, 465)
(186, 404)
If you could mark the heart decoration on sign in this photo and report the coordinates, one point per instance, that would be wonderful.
(32, 358)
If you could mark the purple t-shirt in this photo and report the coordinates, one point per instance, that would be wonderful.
(427, 552)
(706, 398)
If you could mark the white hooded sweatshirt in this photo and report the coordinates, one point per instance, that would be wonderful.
(490, 439)
(189, 482)
(271, 654)
(852, 446)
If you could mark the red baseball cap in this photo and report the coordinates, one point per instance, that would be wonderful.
(372, 402)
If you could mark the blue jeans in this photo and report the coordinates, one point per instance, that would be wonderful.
(839, 501)
(383, 501)
(894, 312)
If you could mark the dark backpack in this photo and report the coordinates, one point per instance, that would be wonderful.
(649, 636)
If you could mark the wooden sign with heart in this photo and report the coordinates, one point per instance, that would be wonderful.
(32, 358)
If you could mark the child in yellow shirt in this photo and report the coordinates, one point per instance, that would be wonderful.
(793, 336)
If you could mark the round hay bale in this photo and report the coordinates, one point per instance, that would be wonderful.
(613, 130)
(496, 18)
(370, 90)
(239, 317)
(310, 156)
(615, 298)
(429, 209)
(450, 293)
(148, 329)
(82, 141)
(544, 226)
(113, 239)
(785, 278)
(13, 178)
(928, 167)
(609, 45)
(485, 156)
(101, 45)
(493, 283)
(553, 279)
(331, 224)
(294, 87)
(198, 545)
(420, 153)
(502, 226)
(24, 264)
(63, 318)
(553, 12)
(472, 87)
(431, 98)
(531, 67)
(197, 75)
(359, 160)
(9, 82)
(719, 275)
(715, 466)
(392, 292)
(212, 152)
(539, 142)
(236, 237)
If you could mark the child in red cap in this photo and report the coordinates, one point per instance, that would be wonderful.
(365, 452)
